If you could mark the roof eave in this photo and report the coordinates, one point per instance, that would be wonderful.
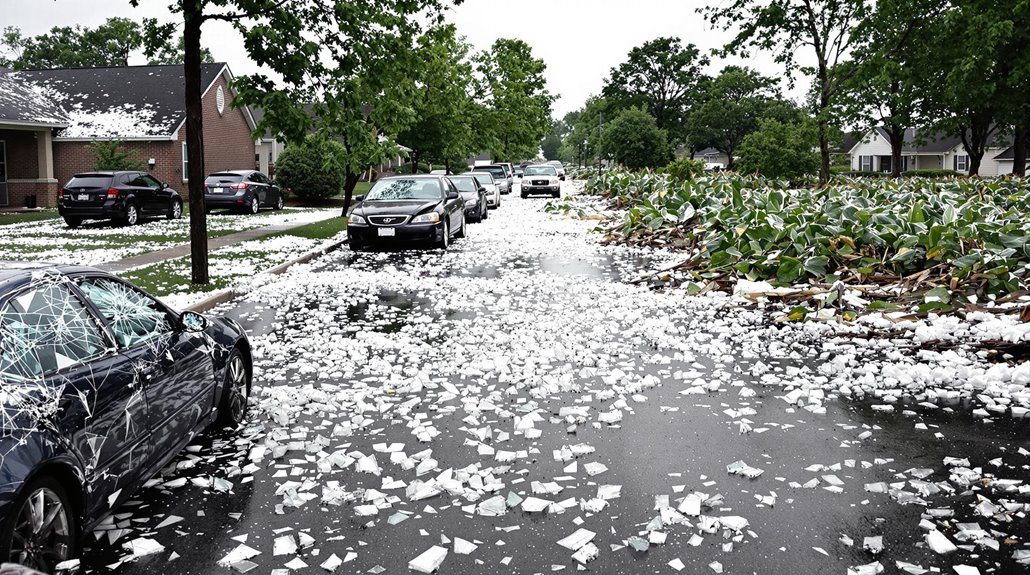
(160, 138)
(29, 124)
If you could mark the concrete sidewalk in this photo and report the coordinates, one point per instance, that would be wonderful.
(182, 250)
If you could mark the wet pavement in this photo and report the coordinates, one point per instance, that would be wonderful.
(522, 345)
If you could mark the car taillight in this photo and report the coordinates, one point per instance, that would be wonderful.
(112, 193)
(60, 194)
(240, 186)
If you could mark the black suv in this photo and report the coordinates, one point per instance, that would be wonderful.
(125, 197)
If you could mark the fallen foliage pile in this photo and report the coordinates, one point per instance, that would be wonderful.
(943, 244)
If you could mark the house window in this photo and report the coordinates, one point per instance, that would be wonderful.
(220, 100)
(185, 164)
(865, 163)
(962, 163)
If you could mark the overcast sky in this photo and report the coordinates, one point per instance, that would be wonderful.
(580, 40)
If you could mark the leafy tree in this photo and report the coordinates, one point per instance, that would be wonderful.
(314, 169)
(166, 53)
(585, 125)
(735, 101)
(351, 61)
(781, 150)
(662, 76)
(781, 26)
(110, 155)
(109, 44)
(887, 88)
(516, 100)
(550, 146)
(441, 129)
(634, 140)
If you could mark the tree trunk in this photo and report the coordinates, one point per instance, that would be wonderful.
(824, 152)
(1019, 150)
(192, 15)
(896, 135)
(348, 189)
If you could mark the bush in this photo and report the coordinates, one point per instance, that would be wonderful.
(684, 169)
(862, 174)
(779, 150)
(109, 155)
(314, 169)
(930, 173)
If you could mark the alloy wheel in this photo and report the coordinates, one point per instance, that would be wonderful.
(131, 215)
(42, 536)
(254, 206)
(237, 388)
(176, 210)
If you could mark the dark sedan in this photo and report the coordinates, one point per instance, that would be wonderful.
(474, 196)
(102, 385)
(423, 209)
(125, 197)
(245, 191)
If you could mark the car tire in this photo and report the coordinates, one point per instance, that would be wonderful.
(461, 231)
(72, 222)
(355, 246)
(232, 409)
(281, 203)
(485, 213)
(175, 210)
(445, 242)
(254, 207)
(131, 216)
(524, 196)
(556, 194)
(61, 537)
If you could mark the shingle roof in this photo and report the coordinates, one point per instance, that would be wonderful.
(917, 142)
(128, 102)
(1008, 154)
(707, 152)
(25, 104)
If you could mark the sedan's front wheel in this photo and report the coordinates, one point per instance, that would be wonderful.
(445, 242)
(461, 231)
(255, 205)
(235, 391)
(40, 530)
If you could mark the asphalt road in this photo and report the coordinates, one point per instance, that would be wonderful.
(527, 316)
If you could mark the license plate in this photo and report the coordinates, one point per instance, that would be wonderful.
(82, 197)
(387, 232)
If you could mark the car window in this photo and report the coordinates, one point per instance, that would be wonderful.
(134, 316)
(405, 189)
(256, 177)
(465, 184)
(484, 178)
(46, 329)
(223, 179)
(541, 171)
(151, 182)
(89, 181)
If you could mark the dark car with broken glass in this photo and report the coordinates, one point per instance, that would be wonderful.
(125, 197)
(101, 385)
(426, 210)
(242, 191)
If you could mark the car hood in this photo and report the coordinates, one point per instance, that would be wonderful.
(406, 207)
(469, 196)
(549, 178)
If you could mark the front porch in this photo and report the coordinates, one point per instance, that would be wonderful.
(27, 166)
(908, 162)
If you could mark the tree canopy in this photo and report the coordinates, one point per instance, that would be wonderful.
(734, 103)
(634, 140)
(109, 44)
(662, 76)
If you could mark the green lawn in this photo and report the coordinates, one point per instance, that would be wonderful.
(337, 201)
(25, 217)
(172, 276)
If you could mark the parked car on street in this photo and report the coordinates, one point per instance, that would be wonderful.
(504, 183)
(493, 192)
(425, 209)
(474, 196)
(126, 197)
(244, 191)
(509, 168)
(541, 179)
(102, 386)
(559, 167)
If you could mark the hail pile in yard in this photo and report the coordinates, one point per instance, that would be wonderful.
(515, 406)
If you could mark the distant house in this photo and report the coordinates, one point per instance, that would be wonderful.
(712, 157)
(931, 151)
(142, 106)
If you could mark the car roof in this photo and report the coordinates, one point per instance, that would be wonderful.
(234, 172)
(104, 173)
(414, 177)
(15, 274)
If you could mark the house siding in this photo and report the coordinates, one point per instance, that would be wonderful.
(22, 160)
(872, 144)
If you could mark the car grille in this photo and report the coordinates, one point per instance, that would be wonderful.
(389, 220)
(540, 182)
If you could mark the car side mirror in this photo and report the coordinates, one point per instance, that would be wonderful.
(482, 188)
(453, 195)
(164, 186)
(192, 322)
(358, 199)
(562, 178)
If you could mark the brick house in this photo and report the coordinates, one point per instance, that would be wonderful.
(27, 121)
(144, 108)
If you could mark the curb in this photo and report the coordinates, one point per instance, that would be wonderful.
(230, 294)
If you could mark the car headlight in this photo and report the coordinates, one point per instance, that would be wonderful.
(356, 219)
(430, 218)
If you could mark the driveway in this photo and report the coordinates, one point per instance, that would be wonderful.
(516, 404)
